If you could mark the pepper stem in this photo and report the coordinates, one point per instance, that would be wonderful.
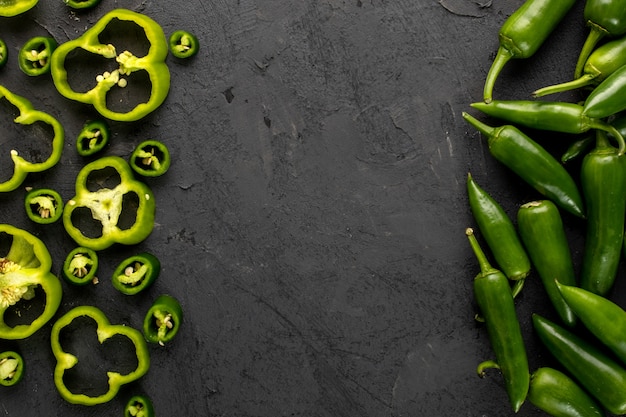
(483, 262)
(583, 81)
(483, 128)
(483, 366)
(502, 57)
(595, 34)
(621, 144)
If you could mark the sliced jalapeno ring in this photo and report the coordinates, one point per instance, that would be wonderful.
(92, 138)
(163, 320)
(183, 44)
(34, 56)
(150, 158)
(136, 273)
(81, 4)
(11, 368)
(80, 266)
(43, 205)
(139, 406)
(4, 53)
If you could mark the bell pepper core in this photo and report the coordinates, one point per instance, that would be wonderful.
(150, 158)
(136, 273)
(34, 56)
(43, 205)
(81, 4)
(183, 44)
(139, 406)
(80, 266)
(4, 53)
(153, 63)
(23, 268)
(105, 330)
(28, 116)
(163, 320)
(11, 368)
(108, 205)
(15, 7)
(93, 138)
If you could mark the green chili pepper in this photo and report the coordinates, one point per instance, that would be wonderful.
(603, 182)
(183, 44)
(495, 301)
(136, 273)
(523, 33)
(551, 116)
(93, 137)
(560, 396)
(595, 371)
(498, 231)
(4, 53)
(150, 158)
(15, 7)
(81, 4)
(607, 98)
(29, 116)
(603, 62)
(80, 266)
(541, 229)
(604, 18)
(43, 205)
(163, 320)
(139, 406)
(121, 212)
(11, 368)
(532, 163)
(34, 56)
(579, 147)
(105, 330)
(153, 64)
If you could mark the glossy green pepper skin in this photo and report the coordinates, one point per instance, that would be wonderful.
(523, 33)
(80, 266)
(43, 205)
(541, 229)
(603, 184)
(153, 63)
(607, 98)
(495, 301)
(183, 44)
(16, 7)
(498, 231)
(93, 138)
(163, 320)
(532, 163)
(595, 371)
(11, 368)
(560, 396)
(150, 158)
(139, 406)
(34, 56)
(136, 273)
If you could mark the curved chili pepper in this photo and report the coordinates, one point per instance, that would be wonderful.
(4, 53)
(163, 320)
(523, 33)
(603, 182)
(34, 56)
(139, 406)
(532, 163)
(11, 368)
(183, 44)
(607, 98)
(498, 231)
(595, 371)
(560, 396)
(579, 147)
(541, 229)
(150, 158)
(93, 137)
(604, 18)
(80, 266)
(136, 273)
(105, 330)
(15, 7)
(551, 116)
(43, 205)
(495, 301)
(81, 4)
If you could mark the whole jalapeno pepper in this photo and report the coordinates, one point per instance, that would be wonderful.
(495, 301)
(11, 368)
(541, 229)
(531, 162)
(523, 33)
(595, 371)
(603, 183)
(605, 18)
(498, 231)
(34, 56)
(560, 396)
(608, 98)
(551, 116)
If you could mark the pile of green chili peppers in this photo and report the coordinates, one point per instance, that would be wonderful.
(586, 336)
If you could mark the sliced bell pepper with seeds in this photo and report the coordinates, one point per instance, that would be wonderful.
(43, 205)
(163, 320)
(126, 62)
(15, 7)
(80, 266)
(136, 273)
(11, 368)
(110, 206)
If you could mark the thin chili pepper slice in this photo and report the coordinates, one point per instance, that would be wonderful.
(81, 4)
(34, 56)
(4, 53)
(139, 406)
(93, 137)
(11, 368)
(150, 158)
(136, 273)
(80, 266)
(43, 205)
(163, 320)
(183, 44)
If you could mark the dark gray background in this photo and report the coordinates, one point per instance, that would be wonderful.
(312, 222)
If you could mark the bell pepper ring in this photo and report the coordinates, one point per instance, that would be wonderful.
(139, 406)
(183, 44)
(43, 205)
(105, 330)
(93, 137)
(15, 7)
(24, 269)
(80, 266)
(81, 4)
(109, 209)
(153, 63)
(34, 56)
(11, 368)
(150, 158)
(136, 273)
(163, 320)
(4, 53)
(28, 116)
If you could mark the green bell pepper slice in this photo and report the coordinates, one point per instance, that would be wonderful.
(139, 406)
(136, 273)
(43, 205)
(183, 44)
(93, 137)
(15, 7)
(80, 266)
(153, 63)
(150, 158)
(105, 330)
(11, 368)
(81, 4)
(110, 206)
(28, 116)
(24, 269)
(4, 53)
(34, 55)
(163, 320)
